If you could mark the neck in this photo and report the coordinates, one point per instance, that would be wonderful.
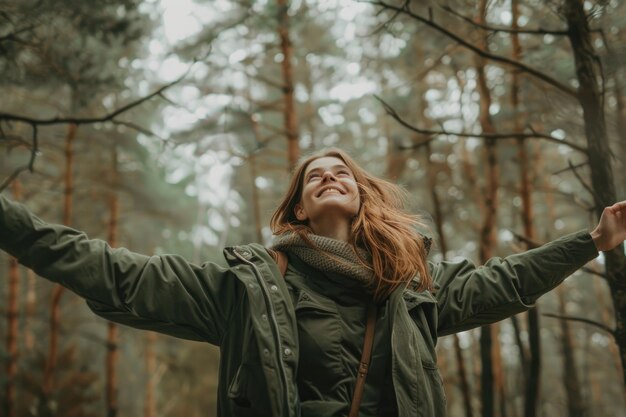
(338, 229)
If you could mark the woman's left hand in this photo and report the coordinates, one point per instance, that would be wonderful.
(611, 230)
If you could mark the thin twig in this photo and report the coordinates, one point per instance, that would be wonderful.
(582, 182)
(138, 128)
(506, 135)
(503, 29)
(7, 181)
(481, 52)
(90, 120)
(35, 123)
(12, 35)
(33, 152)
(601, 326)
(580, 165)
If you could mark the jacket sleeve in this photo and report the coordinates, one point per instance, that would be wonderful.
(470, 296)
(161, 293)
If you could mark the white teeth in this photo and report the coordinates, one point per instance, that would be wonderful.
(331, 190)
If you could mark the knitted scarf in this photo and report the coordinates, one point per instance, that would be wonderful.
(330, 256)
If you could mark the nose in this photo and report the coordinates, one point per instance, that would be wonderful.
(328, 176)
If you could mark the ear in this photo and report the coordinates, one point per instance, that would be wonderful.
(300, 213)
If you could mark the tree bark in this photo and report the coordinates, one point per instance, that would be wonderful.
(532, 364)
(12, 331)
(491, 384)
(575, 406)
(31, 305)
(289, 111)
(590, 97)
(112, 331)
(443, 245)
(149, 404)
(256, 201)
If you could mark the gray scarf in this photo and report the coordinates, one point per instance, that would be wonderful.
(328, 255)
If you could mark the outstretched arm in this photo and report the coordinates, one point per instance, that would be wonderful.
(469, 296)
(164, 290)
(611, 230)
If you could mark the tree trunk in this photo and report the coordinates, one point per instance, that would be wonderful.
(57, 293)
(289, 111)
(591, 100)
(31, 305)
(443, 245)
(256, 201)
(12, 332)
(621, 132)
(575, 406)
(112, 333)
(149, 404)
(491, 384)
(532, 364)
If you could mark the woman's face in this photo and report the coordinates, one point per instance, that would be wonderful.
(329, 192)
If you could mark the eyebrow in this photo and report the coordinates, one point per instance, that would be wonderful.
(334, 167)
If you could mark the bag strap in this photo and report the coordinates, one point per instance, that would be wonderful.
(368, 342)
(281, 260)
(366, 357)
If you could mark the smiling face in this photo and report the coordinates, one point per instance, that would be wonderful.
(329, 192)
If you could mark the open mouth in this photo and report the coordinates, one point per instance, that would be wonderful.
(330, 190)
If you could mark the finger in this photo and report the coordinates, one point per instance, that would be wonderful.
(619, 206)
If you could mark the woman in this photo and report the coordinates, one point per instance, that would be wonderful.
(292, 337)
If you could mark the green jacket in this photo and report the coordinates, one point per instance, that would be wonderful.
(246, 308)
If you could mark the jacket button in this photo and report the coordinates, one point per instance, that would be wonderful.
(287, 351)
(264, 317)
(251, 285)
(266, 352)
(274, 288)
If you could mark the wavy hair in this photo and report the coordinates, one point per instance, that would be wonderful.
(382, 227)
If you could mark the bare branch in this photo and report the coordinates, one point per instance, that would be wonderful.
(583, 320)
(35, 123)
(89, 120)
(33, 152)
(31, 163)
(481, 52)
(506, 135)
(382, 25)
(582, 182)
(560, 171)
(8, 180)
(138, 128)
(13, 35)
(503, 29)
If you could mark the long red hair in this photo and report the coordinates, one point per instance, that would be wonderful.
(382, 227)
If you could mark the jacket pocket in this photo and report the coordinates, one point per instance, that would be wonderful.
(248, 392)
(436, 390)
(320, 334)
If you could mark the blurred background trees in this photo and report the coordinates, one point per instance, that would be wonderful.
(171, 126)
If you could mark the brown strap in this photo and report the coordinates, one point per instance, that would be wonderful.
(365, 360)
(368, 342)
(281, 260)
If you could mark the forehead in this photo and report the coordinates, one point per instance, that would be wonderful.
(325, 162)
